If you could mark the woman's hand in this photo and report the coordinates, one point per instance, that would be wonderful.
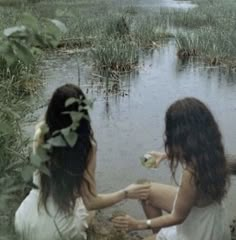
(159, 156)
(138, 191)
(125, 223)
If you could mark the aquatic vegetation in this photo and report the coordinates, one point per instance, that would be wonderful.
(148, 32)
(216, 40)
(117, 26)
(191, 18)
(131, 10)
(215, 45)
(115, 54)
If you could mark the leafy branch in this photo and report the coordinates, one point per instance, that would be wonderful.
(65, 137)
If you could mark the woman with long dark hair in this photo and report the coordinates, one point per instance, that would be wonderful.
(194, 209)
(58, 209)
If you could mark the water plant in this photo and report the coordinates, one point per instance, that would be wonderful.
(147, 32)
(117, 26)
(215, 39)
(119, 54)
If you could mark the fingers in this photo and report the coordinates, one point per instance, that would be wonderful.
(143, 192)
(121, 223)
(154, 153)
(144, 186)
(143, 196)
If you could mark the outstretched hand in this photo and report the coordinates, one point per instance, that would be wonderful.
(138, 191)
(158, 156)
(125, 223)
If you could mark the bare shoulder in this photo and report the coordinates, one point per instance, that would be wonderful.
(187, 180)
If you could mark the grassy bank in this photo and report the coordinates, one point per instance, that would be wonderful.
(19, 78)
(12, 155)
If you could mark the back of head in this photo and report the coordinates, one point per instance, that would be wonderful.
(66, 164)
(193, 138)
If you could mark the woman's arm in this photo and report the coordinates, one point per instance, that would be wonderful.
(185, 200)
(93, 201)
(99, 201)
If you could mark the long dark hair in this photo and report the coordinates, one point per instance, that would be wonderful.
(193, 138)
(67, 165)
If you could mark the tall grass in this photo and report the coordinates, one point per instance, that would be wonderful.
(214, 39)
(12, 155)
(119, 54)
(117, 26)
(148, 32)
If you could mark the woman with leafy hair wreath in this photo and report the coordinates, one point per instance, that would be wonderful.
(66, 182)
(194, 210)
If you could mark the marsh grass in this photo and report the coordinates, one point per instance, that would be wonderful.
(148, 32)
(213, 36)
(117, 26)
(119, 54)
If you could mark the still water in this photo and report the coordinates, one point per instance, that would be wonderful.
(156, 4)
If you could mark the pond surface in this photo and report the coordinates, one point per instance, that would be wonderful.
(130, 122)
(156, 4)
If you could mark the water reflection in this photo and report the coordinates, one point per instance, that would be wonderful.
(157, 4)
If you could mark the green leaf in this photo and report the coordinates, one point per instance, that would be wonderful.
(42, 153)
(30, 21)
(65, 131)
(51, 40)
(57, 141)
(18, 31)
(36, 160)
(27, 173)
(40, 40)
(44, 170)
(52, 31)
(71, 139)
(36, 51)
(74, 126)
(46, 146)
(89, 102)
(70, 101)
(76, 116)
(7, 53)
(60, 25)
(23, 53)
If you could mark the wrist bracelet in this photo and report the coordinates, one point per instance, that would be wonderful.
(126, 194)
(148, 223)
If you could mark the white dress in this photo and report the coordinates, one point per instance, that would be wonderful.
(206, 223)
(32, 223)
